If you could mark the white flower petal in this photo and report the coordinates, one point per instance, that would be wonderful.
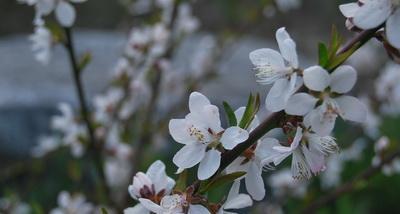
(232, 136)
(212, 119)
(178, 130)
(77, 1)
(197, 102)
(189, 155)
(316, 78)
(156, 172)
(300, 104)
(323, 126)
(65, 13)
(264, 148)
(234, 191)
(352, 109)
(254, 182)
(287, 47)
(198, 209)
(315, 159)
(239, 202)
(209, 165)
(349, 10)
(372, 14)
(299, 168)
(392, 29)
(153, 207)
(343, 79)
(277, 96)
(265, 56)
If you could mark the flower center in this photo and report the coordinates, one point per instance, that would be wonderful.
(172, 202)
(196, 133)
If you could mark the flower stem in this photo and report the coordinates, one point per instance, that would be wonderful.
(94, 149)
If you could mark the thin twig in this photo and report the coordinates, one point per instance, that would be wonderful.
(94, 148)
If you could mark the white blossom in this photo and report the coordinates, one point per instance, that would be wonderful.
(201, 133)
(308, 150)
(278, 69)
(369, 14)
(42, 44)
(322, 118)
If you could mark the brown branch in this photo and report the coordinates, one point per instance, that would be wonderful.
(349, 186)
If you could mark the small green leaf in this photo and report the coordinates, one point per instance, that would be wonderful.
(56, 30)
(323, 54)
(84, 60)
(338, 60)
(230, 114)
(247, 113)
(221, 180)
(181, 182)
(104, 211)
(334, 45)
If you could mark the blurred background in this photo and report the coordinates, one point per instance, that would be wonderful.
(30, 92)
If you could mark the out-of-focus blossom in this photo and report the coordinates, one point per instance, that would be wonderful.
(14, 206)
(282, 183)
(279, 69)
(72, 204)
(46, 144)
(70, 128)
(331, 177)
(371, 125)
(185, 22)
(106, 104)
(42, 44)
(388, 89)
(64, 11)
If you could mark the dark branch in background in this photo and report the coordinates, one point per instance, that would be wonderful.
(94, 148)
(349, 186)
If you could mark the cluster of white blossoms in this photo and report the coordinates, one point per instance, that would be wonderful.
(369, 14)
(154, 191)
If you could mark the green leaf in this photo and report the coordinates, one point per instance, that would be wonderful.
(338, 60)
(220, 180)
(182, 181)
(230, 114)
(246, 119)
(103, 211)
(56, 30)
(84, 60)
(334, 45)
(323, 55)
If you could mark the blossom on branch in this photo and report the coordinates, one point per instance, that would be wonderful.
(279, 69)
